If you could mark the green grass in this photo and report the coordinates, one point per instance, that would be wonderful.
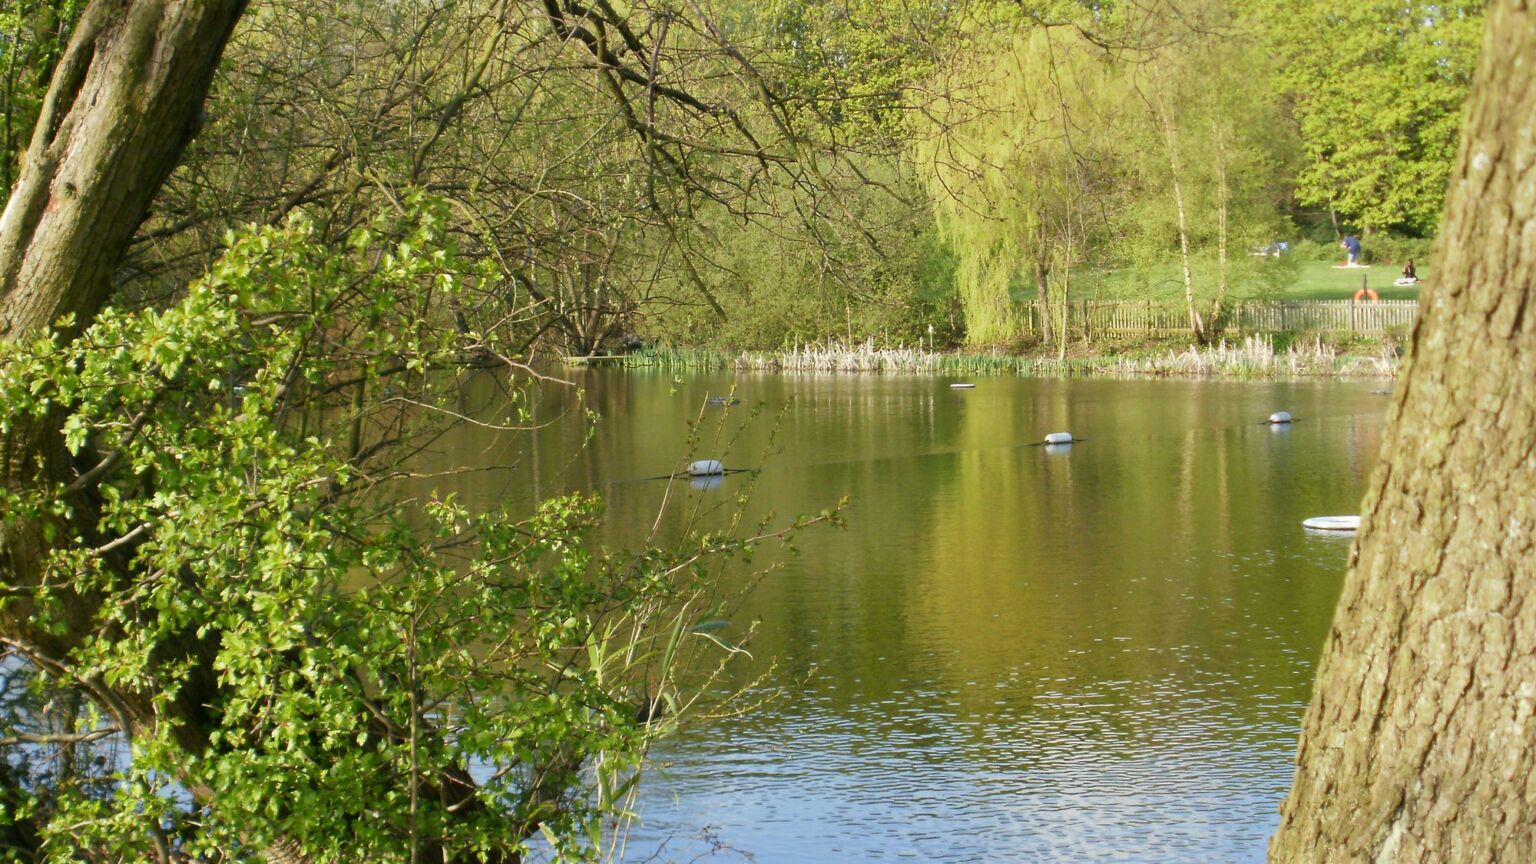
(1320, 280)
(1291, 280)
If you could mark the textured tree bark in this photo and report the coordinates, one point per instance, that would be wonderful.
(124, 101)
(1420, 742)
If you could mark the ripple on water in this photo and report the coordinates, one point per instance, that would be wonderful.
(1124, 771)
(1096, 657)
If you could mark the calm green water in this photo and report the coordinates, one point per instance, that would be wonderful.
(1012, 654)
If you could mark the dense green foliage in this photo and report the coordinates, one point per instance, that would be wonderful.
(1068, 150)
(1060, 159)
(389, 672)
(1378, 88)
(863, 144)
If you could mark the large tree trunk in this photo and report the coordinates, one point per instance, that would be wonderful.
(125, 99)
(1420, 743)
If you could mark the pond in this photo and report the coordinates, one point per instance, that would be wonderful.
(1012, 653)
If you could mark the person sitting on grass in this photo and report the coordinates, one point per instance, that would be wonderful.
(1409, 277)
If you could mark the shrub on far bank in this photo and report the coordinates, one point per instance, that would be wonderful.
(1312, 250)
(1390, 249)
(1375, 249)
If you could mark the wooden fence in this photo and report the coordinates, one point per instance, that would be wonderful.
(1102, 317)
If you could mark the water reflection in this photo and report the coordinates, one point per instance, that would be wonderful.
(1097, 651)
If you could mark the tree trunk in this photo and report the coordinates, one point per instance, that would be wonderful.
(1420, 742)
(1061, 324)
(1043, 302)
(125, 99)
(1223, 206)
(1171, 134)
(1059, 287)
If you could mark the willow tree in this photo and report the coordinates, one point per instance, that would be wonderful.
(1420, 742)
(1126, 139)
(1022, 154)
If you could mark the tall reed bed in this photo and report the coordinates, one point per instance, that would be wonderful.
(1254, 357)
(1257, 357)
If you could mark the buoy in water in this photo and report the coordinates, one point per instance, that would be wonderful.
(705, 468)
(1279, 417)
(706, 481)
(1333, 523)
(962, 386)
(1059, 438)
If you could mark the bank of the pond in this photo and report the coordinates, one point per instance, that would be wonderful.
(1254, 358)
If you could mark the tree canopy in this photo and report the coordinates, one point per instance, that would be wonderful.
(1377, 90)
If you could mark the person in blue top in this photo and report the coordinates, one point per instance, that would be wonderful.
(1352, 243)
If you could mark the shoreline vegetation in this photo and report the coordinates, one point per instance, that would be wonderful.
(1256, 357)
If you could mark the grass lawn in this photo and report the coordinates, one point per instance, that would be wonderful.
(1319, 280)
(1313, 280)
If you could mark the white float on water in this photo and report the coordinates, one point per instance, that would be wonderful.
(1280, 417)
(706, 482)
(1333, 523)
(1059, 438)
(962, 386)
(705, 468)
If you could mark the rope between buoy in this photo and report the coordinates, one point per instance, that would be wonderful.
(680, 475)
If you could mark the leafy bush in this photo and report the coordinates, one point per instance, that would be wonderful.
(1393, 249)
(300, 657)
(1376, 249)
(1314, 250)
